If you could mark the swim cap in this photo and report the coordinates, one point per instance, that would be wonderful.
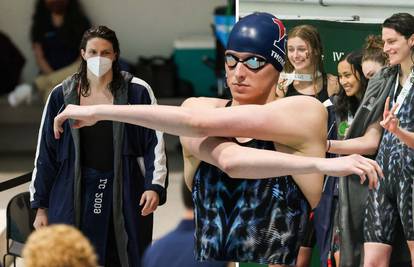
(262, 34)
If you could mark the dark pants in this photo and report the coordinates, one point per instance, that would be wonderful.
(97, 219)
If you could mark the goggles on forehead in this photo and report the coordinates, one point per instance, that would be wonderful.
(252, 62)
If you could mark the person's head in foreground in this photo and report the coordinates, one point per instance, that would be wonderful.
(254, 58)
(58, 246)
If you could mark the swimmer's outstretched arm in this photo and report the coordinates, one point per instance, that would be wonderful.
(244, 162)
(266, 122)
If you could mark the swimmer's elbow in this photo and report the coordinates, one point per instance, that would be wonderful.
(197, 119)
(229, 163)
(199, 126)
(371, 148)
(371, 142)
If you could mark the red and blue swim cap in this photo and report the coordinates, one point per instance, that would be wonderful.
(262, 34)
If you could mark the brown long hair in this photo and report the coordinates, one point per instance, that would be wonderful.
(109, 35)
(373, 50)
(345, 103)
(403, 23)
(310, 35)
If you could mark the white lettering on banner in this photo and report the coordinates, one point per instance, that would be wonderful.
(278, 57)
(337, 55)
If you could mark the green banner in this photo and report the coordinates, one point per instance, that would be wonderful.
(338, 38)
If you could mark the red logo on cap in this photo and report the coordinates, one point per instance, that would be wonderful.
(281, 28)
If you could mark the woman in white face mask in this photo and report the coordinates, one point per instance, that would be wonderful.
(98, 178)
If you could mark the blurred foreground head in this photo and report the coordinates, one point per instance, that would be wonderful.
(58, 246)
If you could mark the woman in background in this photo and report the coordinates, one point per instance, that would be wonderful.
(56, 32)
(106, 179)
(352, 89)
(353, 85)
(305, 75)
(363, 136)
(390, 204)
(373, 56)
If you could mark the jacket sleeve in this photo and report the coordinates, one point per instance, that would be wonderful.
(45, 164)
(372, 105)
(153, 147)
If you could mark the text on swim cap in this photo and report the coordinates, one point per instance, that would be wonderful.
(279, 59)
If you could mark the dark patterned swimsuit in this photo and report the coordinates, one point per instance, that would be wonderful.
(393, 199)
(247, 220)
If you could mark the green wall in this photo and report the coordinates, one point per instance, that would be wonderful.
(314, 261)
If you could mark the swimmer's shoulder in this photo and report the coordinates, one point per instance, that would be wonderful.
(204, 102)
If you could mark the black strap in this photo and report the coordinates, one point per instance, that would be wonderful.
(15, 181)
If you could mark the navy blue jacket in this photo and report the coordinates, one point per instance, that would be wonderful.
(139, 165)
(176, 249)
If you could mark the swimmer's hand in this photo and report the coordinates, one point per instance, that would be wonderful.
(389, 121)
(82, 116)
(352, 164)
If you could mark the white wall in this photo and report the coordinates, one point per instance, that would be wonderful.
(143, 27)
(374, 11)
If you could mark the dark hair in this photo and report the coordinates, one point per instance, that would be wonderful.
(345, 103)
(109, 35)
(74, 24)
(310, 35)
(374, 50)
(402, 23)
(186, 194)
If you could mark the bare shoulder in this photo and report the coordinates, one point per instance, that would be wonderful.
(204, 102)
(297, 113)
(298, 103)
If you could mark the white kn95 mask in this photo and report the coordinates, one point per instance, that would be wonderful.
(99, 65)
